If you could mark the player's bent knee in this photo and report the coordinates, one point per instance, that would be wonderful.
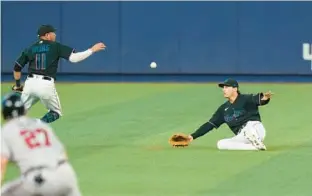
(222, 144)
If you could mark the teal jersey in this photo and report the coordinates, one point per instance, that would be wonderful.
(43, 57)
(245, 108)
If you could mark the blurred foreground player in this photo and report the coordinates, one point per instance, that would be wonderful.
(36, 150)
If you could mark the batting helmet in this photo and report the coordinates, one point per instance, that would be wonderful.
(12, 106)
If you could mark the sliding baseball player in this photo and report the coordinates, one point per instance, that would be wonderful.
(241, 113)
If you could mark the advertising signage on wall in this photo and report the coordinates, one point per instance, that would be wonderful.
(307, 52)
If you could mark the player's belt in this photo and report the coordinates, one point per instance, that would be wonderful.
(42, 76)
(41, 167)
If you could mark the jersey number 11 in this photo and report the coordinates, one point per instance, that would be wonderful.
(36, 138)
(41, 61)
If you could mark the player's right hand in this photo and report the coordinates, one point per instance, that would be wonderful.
(267, 95)
(98, 47)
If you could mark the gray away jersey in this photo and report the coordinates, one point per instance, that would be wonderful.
(30, 143)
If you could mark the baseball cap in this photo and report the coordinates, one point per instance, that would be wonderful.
(229, 82)
(43, 29)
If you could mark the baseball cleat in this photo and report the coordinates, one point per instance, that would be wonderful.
(255, 140)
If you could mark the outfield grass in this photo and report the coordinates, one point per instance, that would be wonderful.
(121, 148)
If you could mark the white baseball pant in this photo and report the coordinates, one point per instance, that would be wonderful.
(37, 88)
(60, 181)
(240, 142)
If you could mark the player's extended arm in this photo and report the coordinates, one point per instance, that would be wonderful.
(4, 162)
(215, 122)
(80, 56)
(202, 130)
(17, 77)
(19, 64)
(17, 74)
(182, 140)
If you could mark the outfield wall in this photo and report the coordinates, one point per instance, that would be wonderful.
(182, 37)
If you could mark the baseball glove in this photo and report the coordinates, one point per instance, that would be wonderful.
(18, 89)
(179, 140)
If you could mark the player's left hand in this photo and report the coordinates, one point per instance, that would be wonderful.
(267, 95)
(17, 89)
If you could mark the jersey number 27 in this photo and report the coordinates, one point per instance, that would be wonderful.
(36, 138)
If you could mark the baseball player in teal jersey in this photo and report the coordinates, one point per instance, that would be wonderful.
(42, 58)
(241, 113)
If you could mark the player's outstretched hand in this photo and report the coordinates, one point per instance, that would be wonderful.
(98, 47)
(267, 95)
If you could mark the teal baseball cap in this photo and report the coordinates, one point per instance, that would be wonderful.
(229, 82)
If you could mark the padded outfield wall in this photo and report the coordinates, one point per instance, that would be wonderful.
(186, 39)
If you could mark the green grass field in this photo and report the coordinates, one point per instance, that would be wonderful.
(117, 140)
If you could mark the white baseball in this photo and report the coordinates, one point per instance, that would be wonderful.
(153, 65)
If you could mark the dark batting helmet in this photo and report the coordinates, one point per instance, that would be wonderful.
(12, 106)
